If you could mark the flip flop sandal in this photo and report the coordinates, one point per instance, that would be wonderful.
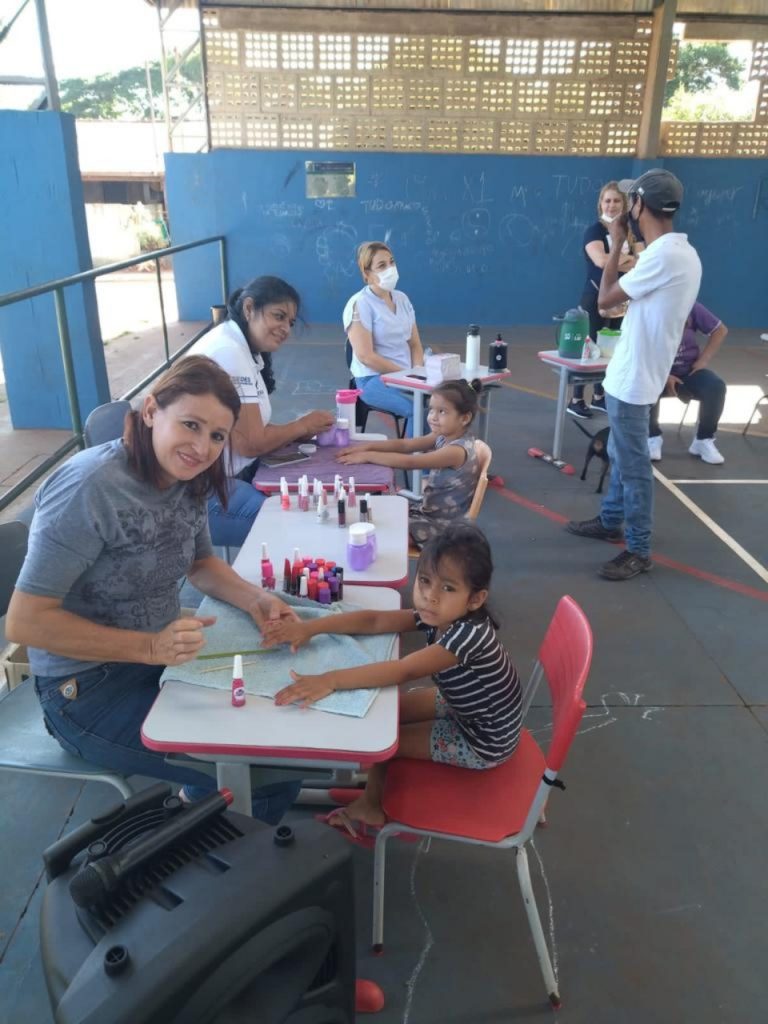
(360, 836)
(338, 819)
(359, 832)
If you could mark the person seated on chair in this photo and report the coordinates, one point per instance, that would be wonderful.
(116, 529)
(471, 718)
(611, 203)
(381, 327)
(260, 318)
(691, 378)
(448, 451)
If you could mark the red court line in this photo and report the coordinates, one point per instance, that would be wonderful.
(669, 563)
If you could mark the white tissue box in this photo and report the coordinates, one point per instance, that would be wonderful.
(445, 366)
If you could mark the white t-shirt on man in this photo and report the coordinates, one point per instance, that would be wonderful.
(225, 344)
(663, 286)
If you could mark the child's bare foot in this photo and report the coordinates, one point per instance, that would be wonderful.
(361, 810)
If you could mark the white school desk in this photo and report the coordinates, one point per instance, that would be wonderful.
(415, 382)
(283, 531)
(569, 370)
(201, 722)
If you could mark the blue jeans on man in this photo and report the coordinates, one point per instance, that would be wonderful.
(629, 499)
(100, 720)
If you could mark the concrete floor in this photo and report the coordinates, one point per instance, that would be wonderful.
(651, 875)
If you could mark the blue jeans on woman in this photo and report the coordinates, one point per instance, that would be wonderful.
(630, 495)
(229, 527)
(98, 714)
(380, 396)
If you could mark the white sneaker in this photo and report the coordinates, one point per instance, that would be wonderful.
(707, 451)
(764, 337)
(654, 448)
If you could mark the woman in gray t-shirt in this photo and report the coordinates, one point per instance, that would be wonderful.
(116, 529)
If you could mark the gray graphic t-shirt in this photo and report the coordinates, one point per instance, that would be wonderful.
(447, 495)
(112, 548)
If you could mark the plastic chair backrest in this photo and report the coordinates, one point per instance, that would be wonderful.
(13, 544)
(566, 654)
(484, 455)
(106, 423)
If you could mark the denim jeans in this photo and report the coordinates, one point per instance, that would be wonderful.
(630, 495)
(229, 527)
(380, 396)
(100, 720)
(708, 389)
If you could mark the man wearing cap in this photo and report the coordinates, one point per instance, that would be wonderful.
(662, 288)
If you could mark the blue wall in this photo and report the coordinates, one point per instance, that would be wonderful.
(491, 239)
(43, 236)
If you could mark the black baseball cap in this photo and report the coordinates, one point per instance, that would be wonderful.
(659, 189)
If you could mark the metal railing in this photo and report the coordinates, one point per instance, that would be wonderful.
(65, 344)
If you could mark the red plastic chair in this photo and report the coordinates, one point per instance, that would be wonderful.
(500, 807)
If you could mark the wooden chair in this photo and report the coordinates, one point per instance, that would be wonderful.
(484, 455)
(499, 808)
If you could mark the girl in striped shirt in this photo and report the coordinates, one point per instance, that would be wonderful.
(471, 717)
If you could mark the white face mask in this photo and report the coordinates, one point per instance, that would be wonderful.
(388, 278)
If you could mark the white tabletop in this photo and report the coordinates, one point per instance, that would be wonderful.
(201, 721)
(416, 379)
(284, 531)
(553, 357)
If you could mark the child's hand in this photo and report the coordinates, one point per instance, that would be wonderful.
(305, 690)
(359, 447)
(285, 631)
(353, 456)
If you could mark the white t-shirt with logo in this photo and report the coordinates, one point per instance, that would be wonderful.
(226, 345)
(663, 286)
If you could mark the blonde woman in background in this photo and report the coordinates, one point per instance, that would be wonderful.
(611, 203)
(381, 326)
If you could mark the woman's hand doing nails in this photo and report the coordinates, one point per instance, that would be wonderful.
(180, 641)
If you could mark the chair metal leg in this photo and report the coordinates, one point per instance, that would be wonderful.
(685, 413)
(118, 782)
(534, 922)
(762, 398)
(379, 865)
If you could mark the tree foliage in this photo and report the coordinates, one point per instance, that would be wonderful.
(704, 66)
(125, 94)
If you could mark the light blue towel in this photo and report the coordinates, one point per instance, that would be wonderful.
(266, 674)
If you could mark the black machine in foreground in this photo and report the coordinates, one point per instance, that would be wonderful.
(165, 913)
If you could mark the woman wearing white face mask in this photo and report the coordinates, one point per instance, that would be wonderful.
(381, 327)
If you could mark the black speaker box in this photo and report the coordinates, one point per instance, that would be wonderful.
(231, 921)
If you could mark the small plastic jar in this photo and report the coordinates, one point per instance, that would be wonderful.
(359, 550)
(342, 432)
(327, 438)
(370, 532)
